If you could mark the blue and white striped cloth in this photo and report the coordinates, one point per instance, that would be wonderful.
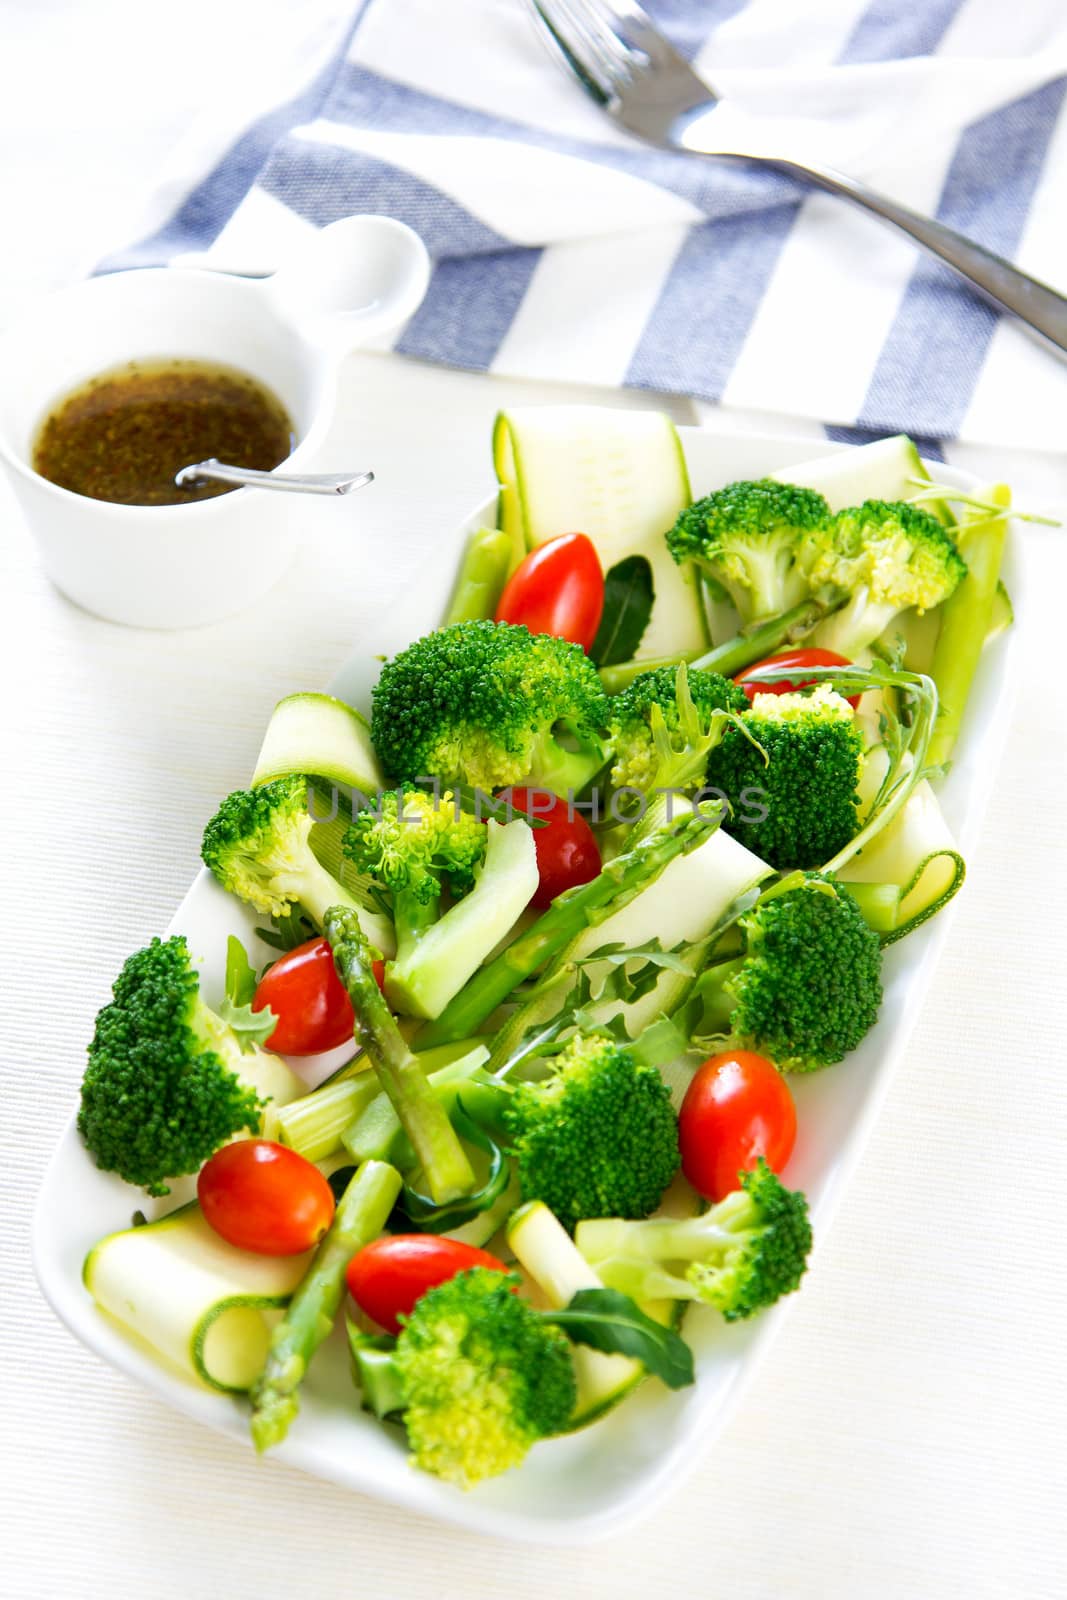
(563, 249)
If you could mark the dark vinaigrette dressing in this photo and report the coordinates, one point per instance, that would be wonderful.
(123, 435)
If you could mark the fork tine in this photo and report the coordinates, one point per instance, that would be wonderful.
(634, 29)
(629, 69)
(561, 47)
(588, 40)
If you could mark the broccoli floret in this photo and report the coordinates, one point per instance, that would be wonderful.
(640, 732)
(490, 704)
(802, 774)
(414, 846)
(807, 988)
(886, 556)
(258, 846)
(741, 1255)
(598, 1137)
(163, 1087)
(746, 537)
(482, 1376)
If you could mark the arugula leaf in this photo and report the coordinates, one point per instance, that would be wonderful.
(240, 973)
(632, 971)
(578, 994)
(609, 1321)
(287, 931)
(661, 1042)
(628, 597)
(251, 1027)
(617, 955)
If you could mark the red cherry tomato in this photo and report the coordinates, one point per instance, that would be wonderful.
(567, 852)
(558, 589)
(386, 1277)
(264, 1197)
(308, 998)
(793, 658)
(737, 1108)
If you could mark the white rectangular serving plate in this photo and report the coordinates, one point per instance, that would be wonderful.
(579, 1488)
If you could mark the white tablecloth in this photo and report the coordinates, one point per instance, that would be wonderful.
(905, 1436)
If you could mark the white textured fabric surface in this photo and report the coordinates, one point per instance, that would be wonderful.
(905, 1437)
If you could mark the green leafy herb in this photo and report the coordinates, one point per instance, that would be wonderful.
(240, 973)
(286, 932)
(252, 1028)
(628, 596)
(340, 1180)
(609, 1321)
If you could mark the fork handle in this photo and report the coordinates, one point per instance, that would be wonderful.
(1042, 310)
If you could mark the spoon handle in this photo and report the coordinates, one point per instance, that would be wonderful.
(294, 483)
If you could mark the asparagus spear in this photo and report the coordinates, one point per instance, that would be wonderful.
(564, 920)
(482, 575)
(423, 1117)
(360, 1217)
(733, 655)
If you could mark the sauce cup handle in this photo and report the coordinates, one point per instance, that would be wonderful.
(357, 278)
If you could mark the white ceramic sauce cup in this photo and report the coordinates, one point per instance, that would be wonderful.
(177, 566)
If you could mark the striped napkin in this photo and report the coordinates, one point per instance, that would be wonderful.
(566, 250)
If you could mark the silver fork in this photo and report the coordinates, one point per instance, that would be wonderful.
(637, 77)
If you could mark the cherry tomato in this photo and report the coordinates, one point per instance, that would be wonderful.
(793, 658)
(308, 998)
(737, 1108)
(567, 852)
(558, 589)
(264, 1197)
(386, 1277)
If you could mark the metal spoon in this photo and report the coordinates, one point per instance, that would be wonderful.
(296, 482)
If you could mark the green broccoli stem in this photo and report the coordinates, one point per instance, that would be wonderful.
(411, 918)
(772, 584)
(360, 1217)
(375, 1372)
(565, 772)
(733, 655)
(855, 626)
(574, 911)
(670, 1238)
(965, 621)
(483, 572)
(317, 890)
(424, 1119)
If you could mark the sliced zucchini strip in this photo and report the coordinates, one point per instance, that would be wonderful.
(916, 855)
(323, 737)
(198, 1302)
(887, 469)
(617, 476)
